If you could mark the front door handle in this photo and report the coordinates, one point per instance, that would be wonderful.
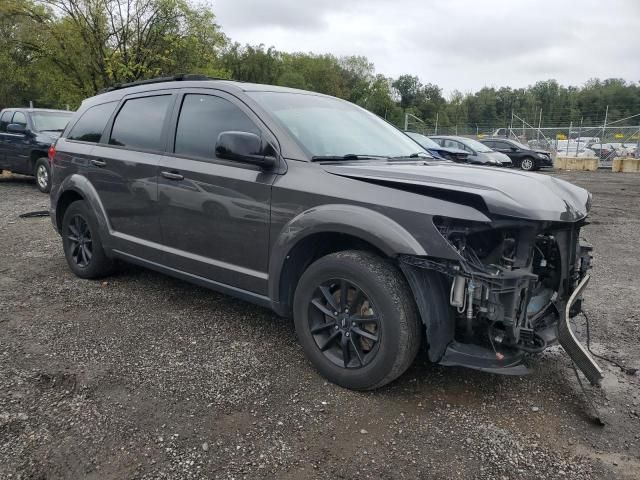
(172, 175)
(98, 163)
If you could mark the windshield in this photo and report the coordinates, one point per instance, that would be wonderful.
(328, 127)
(424, 141)
(475, 145)
(50, 121)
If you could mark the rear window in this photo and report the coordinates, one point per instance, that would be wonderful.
(139, 123)
(92, 122)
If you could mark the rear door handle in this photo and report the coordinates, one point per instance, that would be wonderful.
(98, 163)
(172, 175)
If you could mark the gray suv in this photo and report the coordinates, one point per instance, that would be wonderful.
(319, 210)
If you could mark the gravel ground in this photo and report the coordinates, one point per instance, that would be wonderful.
(143, 376)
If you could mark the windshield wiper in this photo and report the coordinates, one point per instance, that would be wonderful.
(414, 155)
(52, 130)
(348, 156)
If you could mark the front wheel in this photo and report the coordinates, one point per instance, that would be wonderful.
(42, 172)
(356, 319)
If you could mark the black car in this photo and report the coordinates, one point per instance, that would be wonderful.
(437, 150)
(25, 137)
(478, 154)
(522, 156)
(317, 209)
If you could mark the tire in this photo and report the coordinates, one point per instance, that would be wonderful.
(388, 298)
(528, 164)
(42, 172)
(80, 223)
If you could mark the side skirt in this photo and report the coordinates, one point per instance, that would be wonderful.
(246, 295)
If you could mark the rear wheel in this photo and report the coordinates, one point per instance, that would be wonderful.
(356, 319)
(42, 172)
(81, 242)
(528, 164)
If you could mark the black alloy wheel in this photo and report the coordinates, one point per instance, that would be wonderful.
(356, 319)
(80, 241)
(344, 324)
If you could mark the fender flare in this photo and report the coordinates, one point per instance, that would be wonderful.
(83, 187)
(360, 222)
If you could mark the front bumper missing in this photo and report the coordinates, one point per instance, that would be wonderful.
(576, 351)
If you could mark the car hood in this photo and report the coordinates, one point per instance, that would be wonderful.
(499, 156)
(47, 137)
(457, 151)
(508, 193)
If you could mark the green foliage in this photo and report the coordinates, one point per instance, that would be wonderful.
(61, 51)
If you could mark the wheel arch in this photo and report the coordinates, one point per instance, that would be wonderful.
(328, 229)
(36, 155)
(78, 187)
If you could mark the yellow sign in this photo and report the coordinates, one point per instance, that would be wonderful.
(561, 136)
(619, 135)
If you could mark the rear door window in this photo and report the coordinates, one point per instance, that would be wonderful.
(139, 123)
(202, 118)
(92, 122)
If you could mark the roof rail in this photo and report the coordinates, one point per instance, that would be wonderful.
(174, 78)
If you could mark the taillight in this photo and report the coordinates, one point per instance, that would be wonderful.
(51, 153)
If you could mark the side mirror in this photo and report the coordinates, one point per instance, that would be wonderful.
(243, 147)
(16, 128)
(515, 149)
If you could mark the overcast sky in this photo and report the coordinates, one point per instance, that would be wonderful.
(456, 44)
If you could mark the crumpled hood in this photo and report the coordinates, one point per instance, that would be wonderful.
(518, 194)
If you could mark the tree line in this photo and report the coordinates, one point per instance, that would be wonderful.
(57, 52)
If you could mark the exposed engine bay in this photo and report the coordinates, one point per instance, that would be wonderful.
(508, 292)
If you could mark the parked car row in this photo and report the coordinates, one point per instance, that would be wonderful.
(499, 152)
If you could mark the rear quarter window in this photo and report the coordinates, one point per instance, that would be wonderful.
(91, 124)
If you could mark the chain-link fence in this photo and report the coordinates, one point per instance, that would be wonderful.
(619, 138)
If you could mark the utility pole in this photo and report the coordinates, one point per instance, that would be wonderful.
(604, 129)
(569, 137)
(510, 125)
(30, 103)
(579, 135)
(436, 123)
(406, 121)
(539, 125)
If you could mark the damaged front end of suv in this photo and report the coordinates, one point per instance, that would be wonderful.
(512, 287)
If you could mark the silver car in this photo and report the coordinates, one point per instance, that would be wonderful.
(479, 154)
